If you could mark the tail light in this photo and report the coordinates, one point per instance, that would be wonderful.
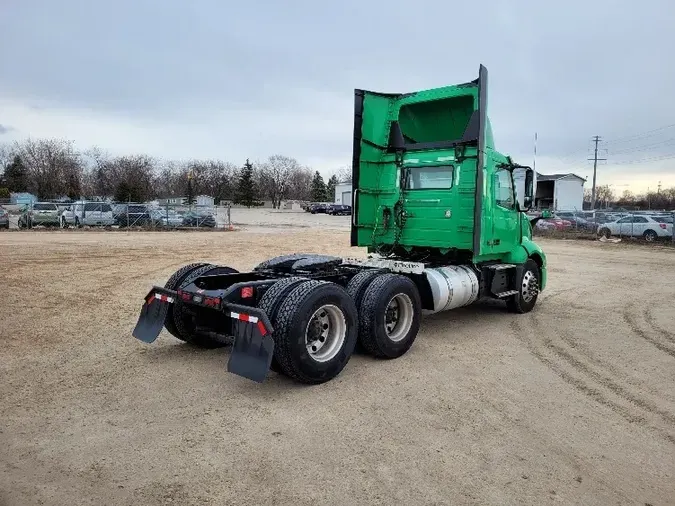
(247, 292)
(663, 226)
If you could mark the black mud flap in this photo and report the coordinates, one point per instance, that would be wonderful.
(151, 319)
(253, 346)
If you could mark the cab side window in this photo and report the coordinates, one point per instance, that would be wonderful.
(503, 189)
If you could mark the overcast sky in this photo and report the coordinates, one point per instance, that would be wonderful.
(231, 80)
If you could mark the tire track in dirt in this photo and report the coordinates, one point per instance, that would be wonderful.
(608, 382)
(561, 367)
(588, 355)
(651, 321)
(630, 316)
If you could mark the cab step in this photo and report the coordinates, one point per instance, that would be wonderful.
(508, 293)
(501, 267)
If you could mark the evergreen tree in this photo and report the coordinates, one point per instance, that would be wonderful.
(246, 189)
(16, 175)
(332, 182)
(318, 188)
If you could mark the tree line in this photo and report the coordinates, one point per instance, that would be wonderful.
(606, 197)
(54, 168)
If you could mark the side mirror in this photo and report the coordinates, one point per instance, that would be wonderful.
(524, 178)
(528, 198)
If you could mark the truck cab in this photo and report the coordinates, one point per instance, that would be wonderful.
(428, 182)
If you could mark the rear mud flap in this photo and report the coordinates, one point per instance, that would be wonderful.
(151, 319)
(252, 350)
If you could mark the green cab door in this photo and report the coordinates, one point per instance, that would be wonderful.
(502, 199)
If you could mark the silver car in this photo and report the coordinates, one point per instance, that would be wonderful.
(166, 218)
(40, 213)
(4, 218)
(88, 213)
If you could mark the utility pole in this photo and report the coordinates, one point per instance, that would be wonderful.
(595, 159)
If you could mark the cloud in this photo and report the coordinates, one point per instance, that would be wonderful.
(5, 129)
(214, 79)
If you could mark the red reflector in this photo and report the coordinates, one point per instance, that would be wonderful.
(261, 328)
(212, 301)
(247, 292)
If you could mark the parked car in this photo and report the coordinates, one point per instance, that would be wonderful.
(650, 227)
(40, 213)
(197, 218)
(577, 221)
(166, 218)
(555, 223)
(318, 208)
(83, 213)
(4, 218)
(545, 225)
(133, 215)
(339, 210)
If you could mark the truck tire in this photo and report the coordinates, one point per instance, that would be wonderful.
(389, 317)
(316, 329)
(271, 301)
(528, 289)
(184, 326)
(172, 284)
(358, 284)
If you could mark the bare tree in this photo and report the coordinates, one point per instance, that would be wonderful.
(344, 175)
(134, 177)
(7, 152)
(275, 175)
(54, 167)
(221, 179)
(300, 184)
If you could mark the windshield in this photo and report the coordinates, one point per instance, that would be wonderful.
(663, 219)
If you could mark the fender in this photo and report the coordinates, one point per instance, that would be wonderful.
(535, 252)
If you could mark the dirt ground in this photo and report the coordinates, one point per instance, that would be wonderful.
(573, 403)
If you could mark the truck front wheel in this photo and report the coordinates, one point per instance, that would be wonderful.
(315, 332)
(389, 316)
(528, 289)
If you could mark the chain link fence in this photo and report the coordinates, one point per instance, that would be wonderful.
(117, 215)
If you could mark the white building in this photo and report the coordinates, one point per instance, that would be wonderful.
(205, 201)
(343, 194)
(559, 192)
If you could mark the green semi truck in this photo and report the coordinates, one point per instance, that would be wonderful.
(437, 208)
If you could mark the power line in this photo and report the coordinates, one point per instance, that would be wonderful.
(643, 160)
(595, 159)
(639, 136)
(645, 147)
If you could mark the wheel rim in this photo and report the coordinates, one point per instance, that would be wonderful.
(649, 236)
(530, 286)
(398, 317)
(326, 333)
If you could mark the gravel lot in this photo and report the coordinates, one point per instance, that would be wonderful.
(573, 403)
